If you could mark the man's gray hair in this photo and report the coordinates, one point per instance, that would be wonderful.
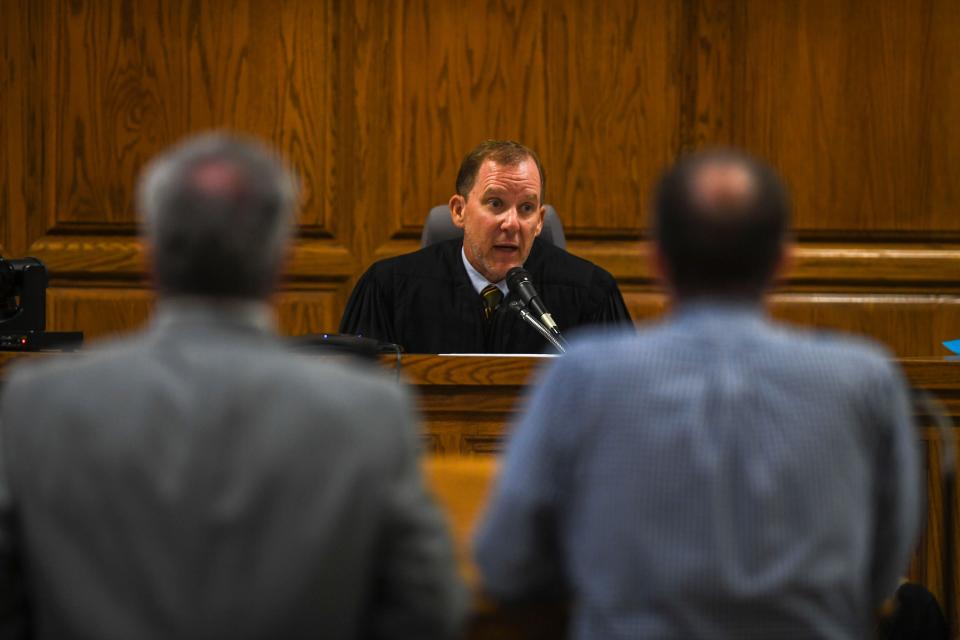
(219, 212)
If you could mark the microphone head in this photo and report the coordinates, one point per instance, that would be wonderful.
(518, 282)
(521, 286)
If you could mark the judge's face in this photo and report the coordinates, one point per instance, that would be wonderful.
(500, 217)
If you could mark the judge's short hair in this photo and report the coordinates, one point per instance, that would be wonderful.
(503, 152)
(720, 243)
(219, 212)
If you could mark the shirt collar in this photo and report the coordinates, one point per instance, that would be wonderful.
(716, 309)
(245, 314)
(476, 278)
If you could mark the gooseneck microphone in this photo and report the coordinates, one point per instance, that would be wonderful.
(520, 284)
(527, 317)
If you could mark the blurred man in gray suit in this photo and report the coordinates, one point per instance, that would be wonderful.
(199, 480)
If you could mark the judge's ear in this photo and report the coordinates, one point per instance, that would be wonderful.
(457, 206)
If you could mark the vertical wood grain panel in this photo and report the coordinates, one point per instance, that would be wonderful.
(597, 94)
(471, 71)
(19, 121)
(130, 78)
(613, 88)
(289, 99)
(710, 98)
(366, 133)
(12, 62)
(856, 103)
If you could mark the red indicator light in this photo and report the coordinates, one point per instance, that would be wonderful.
(23, 341)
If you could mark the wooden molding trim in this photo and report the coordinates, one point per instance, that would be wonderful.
(85, 257)
(827, 263)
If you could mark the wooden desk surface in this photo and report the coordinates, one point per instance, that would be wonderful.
(469, 402)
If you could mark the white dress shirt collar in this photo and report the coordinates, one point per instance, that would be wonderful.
(476, 278)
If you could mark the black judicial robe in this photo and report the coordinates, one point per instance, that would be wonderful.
(424, 302)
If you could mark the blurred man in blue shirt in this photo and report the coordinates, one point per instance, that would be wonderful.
(716, 475)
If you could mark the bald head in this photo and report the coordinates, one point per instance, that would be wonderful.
(720, 220)
(723, 187)
(218, 179)
(218, 212)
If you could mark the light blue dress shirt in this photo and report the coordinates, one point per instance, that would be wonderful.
(478, 281)
(714, 476)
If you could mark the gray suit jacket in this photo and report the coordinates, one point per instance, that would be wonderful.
(201, 481)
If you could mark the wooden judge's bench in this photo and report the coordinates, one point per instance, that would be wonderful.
(468, 403)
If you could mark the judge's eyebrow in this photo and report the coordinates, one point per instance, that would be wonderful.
(492, 192)
(531, 197)
(495, 192)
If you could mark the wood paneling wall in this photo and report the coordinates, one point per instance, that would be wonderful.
(374, 102)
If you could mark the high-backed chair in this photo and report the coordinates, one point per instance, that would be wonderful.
(439, 227)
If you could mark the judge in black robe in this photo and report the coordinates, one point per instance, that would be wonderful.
(425, 302)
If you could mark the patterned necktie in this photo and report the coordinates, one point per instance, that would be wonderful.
(491, 300)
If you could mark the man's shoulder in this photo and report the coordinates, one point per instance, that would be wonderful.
(608, 347)
(432, 262)
(823, 357)
(351, 379)
(773, 341)
(262, 366)
(858, 356)
(826, 344)
(320, 396)
(557, 266)
(77, 366)
(36, 388)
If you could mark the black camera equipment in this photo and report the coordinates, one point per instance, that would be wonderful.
(23, 309)
(367, 349)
